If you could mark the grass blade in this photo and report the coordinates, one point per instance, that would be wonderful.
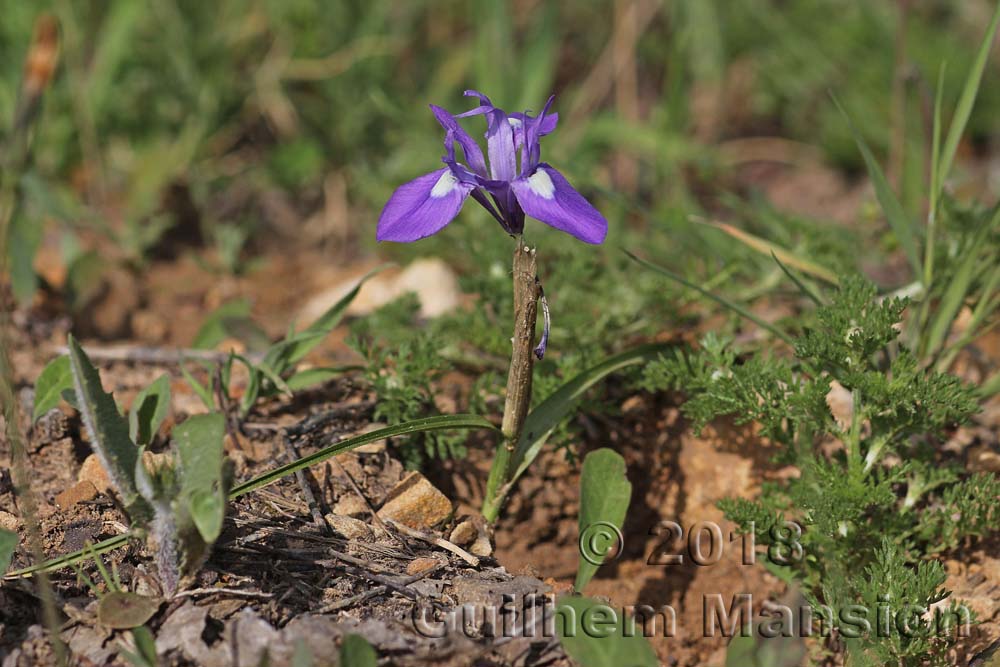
(901, 224)
(765, 247)
(67, 560)
(935, 184)
(803, 287)
(739, 310)
(967, 99)
(438, 423)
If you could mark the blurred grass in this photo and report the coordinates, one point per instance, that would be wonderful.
(236, 100)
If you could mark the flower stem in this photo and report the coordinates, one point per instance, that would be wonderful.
(526, 294)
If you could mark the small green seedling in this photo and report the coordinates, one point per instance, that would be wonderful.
(178, 502)
(272, 368)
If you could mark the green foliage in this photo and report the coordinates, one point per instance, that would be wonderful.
(404, 377)
(108, 432)
(596, 635)
(355, 651)
(873, 496)
(273, 369)
(605, 493)
(54, 379)
(179, 502)
(149, 409)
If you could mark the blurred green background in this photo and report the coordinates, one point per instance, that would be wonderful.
(249, 116)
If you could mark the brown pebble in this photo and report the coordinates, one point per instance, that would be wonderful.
(9, 522)
(416, 503)
(78, 493)
(421, 565)
(92, 471)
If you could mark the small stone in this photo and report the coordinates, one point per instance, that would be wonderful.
(482, 547)
(464, 533)
(78, 493)
(9, 522)
(421, 565)
(350, 528)
(92, 471)
(984, 459)
(416, 503)
(350, 505)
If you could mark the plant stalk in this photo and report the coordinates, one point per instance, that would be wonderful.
(527, 291)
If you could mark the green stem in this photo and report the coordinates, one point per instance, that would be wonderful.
(518, 400)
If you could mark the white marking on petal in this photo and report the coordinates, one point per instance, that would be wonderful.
(445, 185)
(541, 184)
(514, 122)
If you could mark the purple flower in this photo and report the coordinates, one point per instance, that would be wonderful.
(425, 205)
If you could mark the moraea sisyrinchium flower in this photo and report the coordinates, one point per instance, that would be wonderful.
(425, 205)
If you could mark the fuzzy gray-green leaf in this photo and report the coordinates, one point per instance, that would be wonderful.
(199, 449)
(54, 379)
(108, 431)
(149, 409)
(605, 493)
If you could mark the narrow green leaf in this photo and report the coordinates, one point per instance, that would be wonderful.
(199, 444)
(935, 185)
(594, 634)
(204, 392)
(549, 413)
(148, 411)
(739, 310)
(8, 543)
(355, 651)
(799, 282)
(145, 648)
(901, 224)
(108, 431)
(289, 352)
(951, 302)
(765, 247)
(314, 376)
(968, 98)
(605, 493)
(72, 558)
(438, 423)
(54, 379)
(120, 610)
(231, 320)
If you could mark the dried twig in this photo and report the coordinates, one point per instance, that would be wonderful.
(235, 592)
(437, 541)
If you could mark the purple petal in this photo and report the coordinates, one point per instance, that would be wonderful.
(473, 153)
(546, 195)
(517, 120)
(543, 344)
(500, 146)
(422, 207)
(485, 101)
